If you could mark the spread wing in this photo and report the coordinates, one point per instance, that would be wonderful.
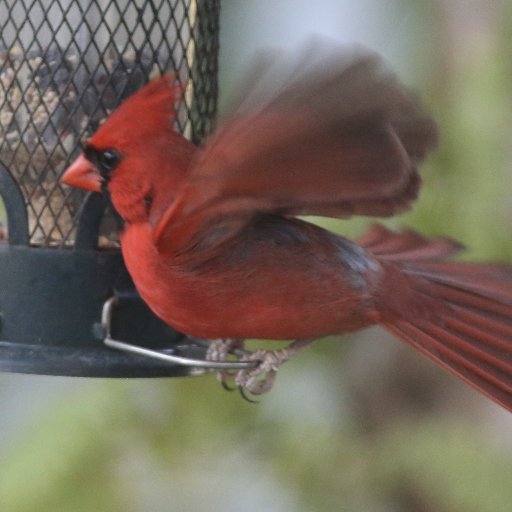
(323, 132)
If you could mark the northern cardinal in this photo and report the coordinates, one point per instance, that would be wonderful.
(213, 244)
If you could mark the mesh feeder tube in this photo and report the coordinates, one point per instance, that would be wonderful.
(64, 66)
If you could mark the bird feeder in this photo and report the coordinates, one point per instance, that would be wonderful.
(64, 66)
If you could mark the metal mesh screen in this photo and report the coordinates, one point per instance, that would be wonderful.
(65, 64)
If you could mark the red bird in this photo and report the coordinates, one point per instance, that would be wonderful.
(214, 247)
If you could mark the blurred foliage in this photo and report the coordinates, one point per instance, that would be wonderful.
(147, 446)
(363, 425)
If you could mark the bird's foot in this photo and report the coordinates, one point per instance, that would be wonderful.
(219, 351)
(256, 380)
(260, 379)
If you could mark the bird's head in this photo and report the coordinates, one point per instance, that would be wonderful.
(135, 156)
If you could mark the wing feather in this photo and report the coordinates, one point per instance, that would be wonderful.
(338, 136)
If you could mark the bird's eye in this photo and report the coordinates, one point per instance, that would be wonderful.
(108, 159)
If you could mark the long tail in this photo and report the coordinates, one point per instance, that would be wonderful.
(458, 314)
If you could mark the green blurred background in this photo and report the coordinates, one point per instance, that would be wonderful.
(360, 423)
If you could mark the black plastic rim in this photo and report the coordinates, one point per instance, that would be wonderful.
(51, 302)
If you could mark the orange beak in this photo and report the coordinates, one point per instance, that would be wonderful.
(82, 174)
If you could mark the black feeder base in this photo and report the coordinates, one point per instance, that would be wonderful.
(51, 305)
(52, 302)
(58, 85)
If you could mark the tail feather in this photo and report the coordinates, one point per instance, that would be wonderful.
(487, 341)
(494, 357)
(407, 245)
(486, 324)
(469, 331)
(483, 301)
(453, 351)
(493, 281)
(492, 383)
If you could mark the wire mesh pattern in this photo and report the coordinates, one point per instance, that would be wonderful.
(65, 64)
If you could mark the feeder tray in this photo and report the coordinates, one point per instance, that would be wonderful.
(67, 304)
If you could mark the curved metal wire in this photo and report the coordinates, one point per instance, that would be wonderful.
(202, 365)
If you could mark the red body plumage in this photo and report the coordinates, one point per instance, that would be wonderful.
(213, 246)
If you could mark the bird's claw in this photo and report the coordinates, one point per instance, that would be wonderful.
(260, 379)
(256, 380)
(218, 351)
